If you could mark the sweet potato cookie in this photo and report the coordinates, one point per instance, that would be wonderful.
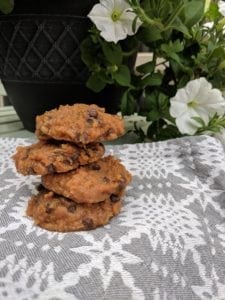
(57, 213)
(91, 183)
(79, 123)
(50, 157)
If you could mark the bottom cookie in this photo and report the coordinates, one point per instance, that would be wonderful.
(57, 213)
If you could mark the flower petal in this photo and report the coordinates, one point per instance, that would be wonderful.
(99, 12)
(177, 108)
(101, 17)
(181, 96)
(221, 5)
(186, 124)
(203, 87)
(112, 31)
(120, 31)
(108, 4)
(200, 112)
(121, 5)
(213, 101)
(127, 19)
(197, 99)
(194, 88)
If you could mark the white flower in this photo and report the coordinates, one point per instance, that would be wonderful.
(197, 99)
(208, 25)
(221, 5)
(114, 19)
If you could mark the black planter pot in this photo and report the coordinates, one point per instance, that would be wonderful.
(40, 64)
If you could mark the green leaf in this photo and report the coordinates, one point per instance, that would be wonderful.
(87, 52)
(152, 129)
(179, 68)
(180, 26)
(162, 100)
(153, 115)
(146, 68)
(105, 77)
(155, 128)
(172, 47)
(213, 12)
(148, 103)
(128, 103)
(199, 120)
(193, 12)
(134, 24)
(154, 79)
(112, 52)
(218, 52)
(6, 6)
(150, 34)
(215, 129)
(122, 76)
(95, 83)
(168, 132)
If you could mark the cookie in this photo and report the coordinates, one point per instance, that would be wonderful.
(57, 213)
(50, 157)
(92, 183)
(79, 123)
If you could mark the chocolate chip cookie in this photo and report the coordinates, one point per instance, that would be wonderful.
(79, 123)
(91, 183)
(57, 213)
(47, 157)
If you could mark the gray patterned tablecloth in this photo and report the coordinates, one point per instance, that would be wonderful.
(167, 243)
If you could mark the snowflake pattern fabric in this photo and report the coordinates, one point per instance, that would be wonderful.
(167, 243)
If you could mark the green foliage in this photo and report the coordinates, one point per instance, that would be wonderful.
(122, 76)
(6, 6)
(216, 124)
(106, 61)
(183, 47)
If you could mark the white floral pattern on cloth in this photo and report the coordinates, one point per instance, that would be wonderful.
(167, 243)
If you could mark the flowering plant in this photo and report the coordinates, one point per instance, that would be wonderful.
(179, 90)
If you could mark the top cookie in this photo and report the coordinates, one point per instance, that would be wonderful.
(79, 123)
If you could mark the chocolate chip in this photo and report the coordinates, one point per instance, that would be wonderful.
(40, 188)
(37, 199)
(31, 171)
(68, 161)
(87, 152)
(94, 147)
(51, 168)
(110, 131)
(83, 137)
(88, 223)
(114, 198)
(48, 209)
(74, 157)
(106, 179)
(72, 208)
(54, 142)
(122, 184)
(93, 113)
(26, 154)
(94, 167)
(90, 120)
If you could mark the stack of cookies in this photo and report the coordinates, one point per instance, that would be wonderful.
(80, 188)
